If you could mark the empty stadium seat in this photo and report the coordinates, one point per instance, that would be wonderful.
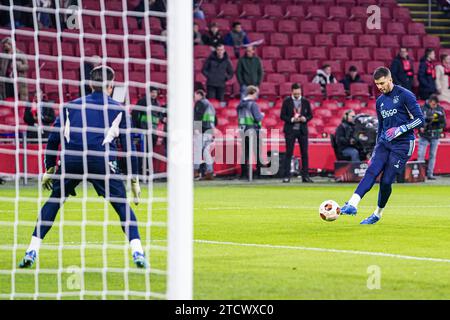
(337, 13)
(294, 53)
(310, 27)
(384, 54)
(276, 78)
(389, 40)
(396, 28)
(285, 89)
(429, 41)
(268, 65)
(401, 14)
(279, 39)
(309, 66)
(286, 66)
(318, 12)
(302, 39)
(268, 90)
(361, 54)
(271, 52)
(336, 91)
(295, 11)
(360, 91)
(313, 91)
(367, 40)
(411, 41)
(288, 26)
(331, 27)
(339, 53)
(273, 11)
(229, 10)
(326, 40)
(317, 53)
(353, 27)
(298, 78)
(265, 26)
(251, 10)
(345, 40)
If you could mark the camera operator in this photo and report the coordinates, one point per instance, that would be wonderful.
(345, 141)
(429, 134)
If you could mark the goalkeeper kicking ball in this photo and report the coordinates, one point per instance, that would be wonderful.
(329, 210)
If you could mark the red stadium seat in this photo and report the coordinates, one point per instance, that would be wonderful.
(430, 41)
(336, 67)
(288, 26)
(396, 28)
(298, 78)
(416, 28)
(330, 104)
(251, 10)
(337, 13)
(265, 26)
(346, 3)
(224, 24)
(310, 27)
(313, 91)
(294, 53)
(136, 50)
(384, 54)
(411, 41)
(355, 105)
(367, 40)
(279, 39)
(322, 113)
(331, 27)
(339, 53)
(254, 36)
(358, 12)
(295, 11)
(229, 10)
(361, 54)
(247, 25)
(209, 9)
(302, 39)
(285, 89)
(316, 12)
(353, 27)
(317, 53)
(268, 90)
(158, 51)
(268, 65)
(273, 11)
(270, 52)
(287, 66)
(309, 67)
(401, 14)
(336, 91)
(372, 65)
(390, 41)
(200, 51)
(345, 40)
(276, 78)
(360, 91)
(326, 40)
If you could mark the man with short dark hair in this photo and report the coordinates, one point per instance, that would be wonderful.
(87, 129)
(236, 38)
(249, 71)
(427, 74)
(218, 70)
(296, 112)
(429, 134)
(398, 115)
(351, 77)
(402, 69)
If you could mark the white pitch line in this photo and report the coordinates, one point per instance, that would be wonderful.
(367, 253)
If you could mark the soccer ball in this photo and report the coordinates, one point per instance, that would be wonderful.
(329, 210)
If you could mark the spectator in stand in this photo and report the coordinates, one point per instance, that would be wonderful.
(218, 70)
(250, 120)
(427, 74)
(31, 113)
(198, 12)
(43, 18)
(89, 64)
(443, 78)
(236, 38)
(204, 124)
(213, 37)
(7, 88)
(351, 77)
(153, 5)
(429, 134)
(345, 141)
(324, 77)
(296, 112)
(197, 35)
(402, 69)
(249, 71)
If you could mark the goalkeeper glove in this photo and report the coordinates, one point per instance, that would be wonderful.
(394, 132)
(136, 190)
(47, 180)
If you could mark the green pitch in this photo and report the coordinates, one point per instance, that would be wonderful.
(251, 242)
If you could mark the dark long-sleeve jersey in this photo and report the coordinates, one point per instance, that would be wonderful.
(102, 121)
(398, 107)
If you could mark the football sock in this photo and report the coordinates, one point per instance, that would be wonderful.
(136, 245)
(378, 212)
(35, 244)
(354, 200)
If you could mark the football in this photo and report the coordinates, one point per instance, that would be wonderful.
(329, 210)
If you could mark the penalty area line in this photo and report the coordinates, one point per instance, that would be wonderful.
(355, 252)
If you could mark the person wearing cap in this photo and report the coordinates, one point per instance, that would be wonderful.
(87, 130)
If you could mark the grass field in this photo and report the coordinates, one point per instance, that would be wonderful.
(251, 242)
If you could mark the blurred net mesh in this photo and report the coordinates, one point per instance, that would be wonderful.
(53, 46)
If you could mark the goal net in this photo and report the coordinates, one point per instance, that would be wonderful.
(48, 54)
